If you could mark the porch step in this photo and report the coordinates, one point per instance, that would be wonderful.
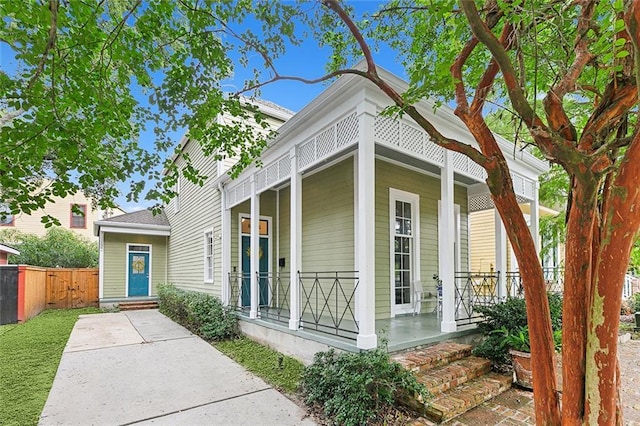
(463, 398)
(136, 305)
(449, 376)
(456, 380)
(433, 356)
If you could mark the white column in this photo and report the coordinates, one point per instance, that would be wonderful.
(501, 254)
(255, 247)
(535, 218)
(226, 247)
(445, 245)
(367, 338)
(295, 246)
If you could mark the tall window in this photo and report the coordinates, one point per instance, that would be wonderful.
(403, 246)
(78, 215)
(208, 256)
(6, 218)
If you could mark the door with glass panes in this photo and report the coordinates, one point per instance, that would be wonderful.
(405, 255)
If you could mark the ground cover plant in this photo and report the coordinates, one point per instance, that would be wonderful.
(201, 313)
(278, 370)
(29, 360)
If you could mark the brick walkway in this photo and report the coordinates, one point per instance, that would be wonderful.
(515, 406)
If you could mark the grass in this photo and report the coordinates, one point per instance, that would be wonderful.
(29, 360)
(278, 370)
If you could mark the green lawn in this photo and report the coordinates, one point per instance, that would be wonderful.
(29, 358)
(278, 370)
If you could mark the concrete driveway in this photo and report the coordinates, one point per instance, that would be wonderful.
(139, 367)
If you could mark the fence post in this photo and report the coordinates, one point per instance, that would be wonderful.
(21, 292)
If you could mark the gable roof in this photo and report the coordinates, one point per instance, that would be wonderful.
(135, 222)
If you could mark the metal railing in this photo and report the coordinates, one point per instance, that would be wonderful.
(473, 289)
(553, 278)
(240, 290)
(276, 305)
(328, 302)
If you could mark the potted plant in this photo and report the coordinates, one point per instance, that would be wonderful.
(520, 352)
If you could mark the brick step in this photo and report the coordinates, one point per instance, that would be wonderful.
(462, 398)
(132, 306)
(433, 356)
(441, 379)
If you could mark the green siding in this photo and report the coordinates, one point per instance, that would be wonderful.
(328, 219)
(428, 189)
(115, 262)
(285, 227)
(199, 213)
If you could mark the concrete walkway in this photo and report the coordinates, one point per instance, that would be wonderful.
(139, 367)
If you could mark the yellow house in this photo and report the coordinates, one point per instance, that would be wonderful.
(62, 209)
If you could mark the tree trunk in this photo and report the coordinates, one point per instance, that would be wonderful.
(545, 394)
(578, 276)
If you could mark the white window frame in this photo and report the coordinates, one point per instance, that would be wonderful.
(208, 272)
(414, 200)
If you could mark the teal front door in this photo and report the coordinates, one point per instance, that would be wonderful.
(246, 270)
(138, 274)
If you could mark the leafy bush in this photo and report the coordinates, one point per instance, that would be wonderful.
(635, 302)
(59, 248)
(354, 388)
(201, 313)
(508, 320)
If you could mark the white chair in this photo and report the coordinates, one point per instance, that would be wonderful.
(420, 296)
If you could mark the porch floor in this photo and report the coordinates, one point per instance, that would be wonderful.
(409, 331)
(400, 333)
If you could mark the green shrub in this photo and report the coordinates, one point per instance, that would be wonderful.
(201, 313)
(507, 320)
(635, 302)
(355, 388)
(59, 248)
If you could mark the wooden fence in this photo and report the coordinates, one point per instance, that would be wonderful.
(72, 288)
(34, 289)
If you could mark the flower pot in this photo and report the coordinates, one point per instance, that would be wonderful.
(521, 362)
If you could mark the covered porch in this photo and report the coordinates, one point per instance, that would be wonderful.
(347, 214)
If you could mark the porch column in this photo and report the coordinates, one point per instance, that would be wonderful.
(255, 247)
(295, 246)
(534, 217)
(501, 254)
(225, 232)
(366, 241)
(446, 240)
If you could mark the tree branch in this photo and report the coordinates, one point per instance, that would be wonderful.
(550, 145)
(553, 101)
(53, 28)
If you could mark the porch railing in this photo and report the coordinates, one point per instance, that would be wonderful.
(275, 305)
(240, 289)
(328, 302)
(553, 277)
(473, 289)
